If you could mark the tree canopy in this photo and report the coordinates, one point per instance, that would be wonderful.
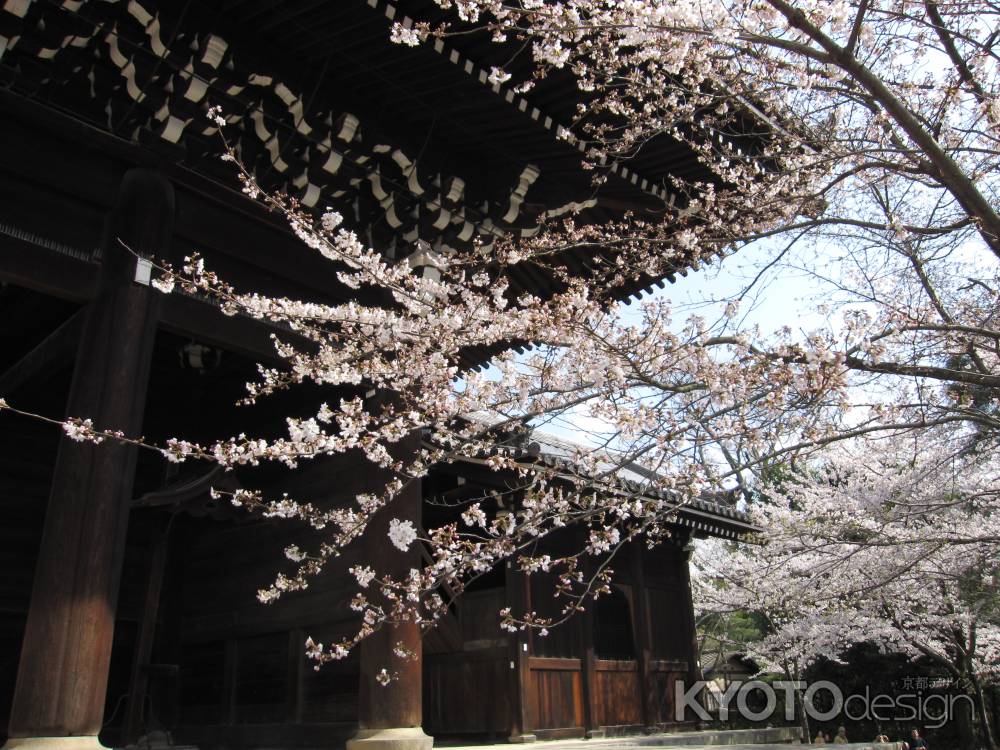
(860, 138)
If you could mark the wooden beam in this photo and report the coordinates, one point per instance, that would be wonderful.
(55, 350)
(183, 491)
(205, 322)
(50, 272)
(23, 263)
(72, 168)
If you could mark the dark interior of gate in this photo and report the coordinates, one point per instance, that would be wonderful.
(411, 144)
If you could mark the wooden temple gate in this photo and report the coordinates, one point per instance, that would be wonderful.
(611, 669)
(128, 606)
(513, 685)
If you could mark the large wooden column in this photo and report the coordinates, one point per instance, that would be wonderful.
(690, 623)
(63, 672)
(643, 636)
(518, 587)
(390, 716)
(588, 661)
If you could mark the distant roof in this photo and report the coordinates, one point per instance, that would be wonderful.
(727, 661)
(713, 514)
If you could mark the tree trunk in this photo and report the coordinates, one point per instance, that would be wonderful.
(800, 705)
(989, 740)
(966, 725)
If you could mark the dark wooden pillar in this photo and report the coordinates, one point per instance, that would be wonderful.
(390, 716)
(588, 662)
(296, 675)
(643, 627)
(139, 680)
(591, 698)
(519, 651)
(230, 671)
(63, 672)
(691, 628)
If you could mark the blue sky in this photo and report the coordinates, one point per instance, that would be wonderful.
(781, 297)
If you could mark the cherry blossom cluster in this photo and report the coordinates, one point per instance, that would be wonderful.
(890, 541)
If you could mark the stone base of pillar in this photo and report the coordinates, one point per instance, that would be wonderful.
(158, 739)
(399, 738)
(86, 742)
(522, 738)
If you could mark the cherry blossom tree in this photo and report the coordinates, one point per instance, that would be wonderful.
(889, 541)
(865, 131)
(858, 133)
(876, 156)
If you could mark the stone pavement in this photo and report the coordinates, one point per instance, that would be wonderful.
(799, 746)
(776, 738)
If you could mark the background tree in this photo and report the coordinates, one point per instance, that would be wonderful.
(893, 543)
